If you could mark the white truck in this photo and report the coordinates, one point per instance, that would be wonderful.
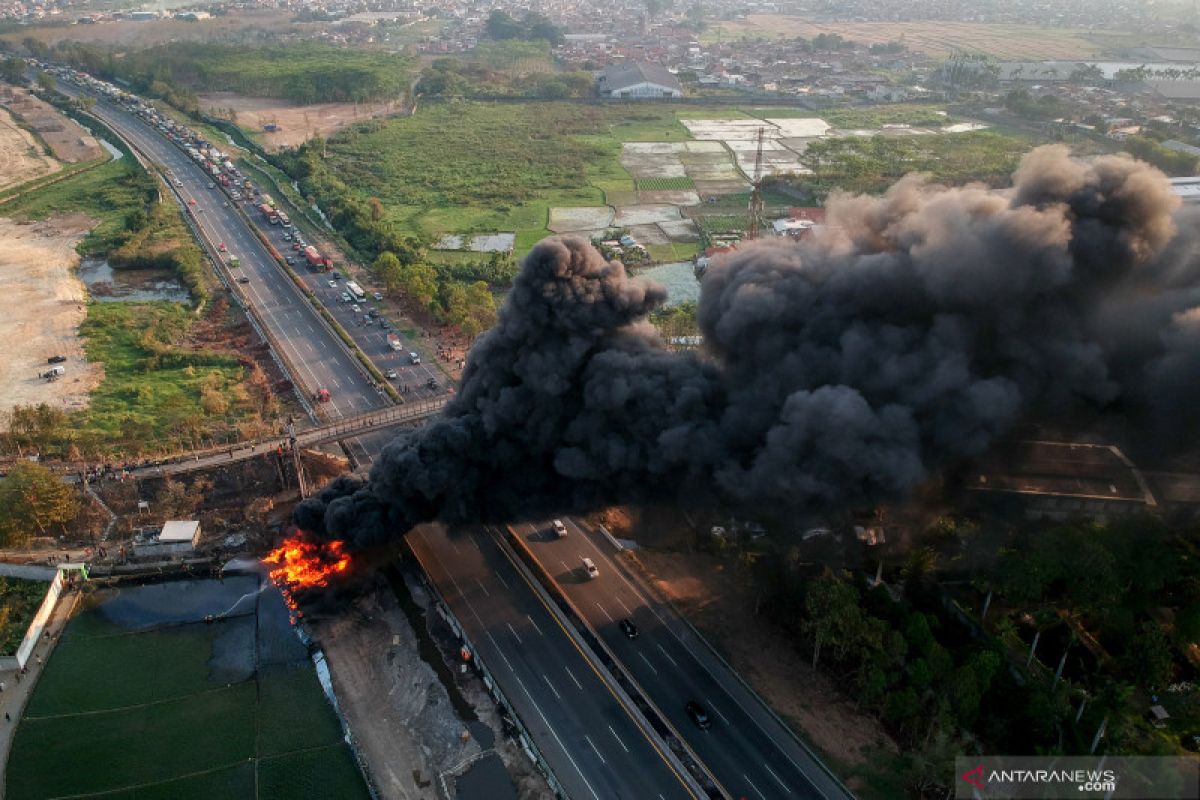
(394, 342)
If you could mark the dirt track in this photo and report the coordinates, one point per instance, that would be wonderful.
(21, 157)
(42, 304)
(296, 123)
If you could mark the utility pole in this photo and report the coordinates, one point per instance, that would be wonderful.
(756, 201)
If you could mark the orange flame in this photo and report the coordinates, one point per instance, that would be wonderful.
(301, 564)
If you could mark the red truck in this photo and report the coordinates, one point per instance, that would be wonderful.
(314, 258)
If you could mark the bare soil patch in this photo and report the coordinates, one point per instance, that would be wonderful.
(69, 140)
(42, 304)
(297, 124)
(21, 158)
(705, 589)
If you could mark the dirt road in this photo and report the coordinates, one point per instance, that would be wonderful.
(21, 156)
(42, 304)
(296, 124)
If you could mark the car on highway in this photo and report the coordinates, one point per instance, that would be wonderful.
(332, 284)
(287, 237)
(243, 279)
(392, 374)
(178, 182)
(221, 247)
(56, 359)
(590, 568)
(413, 358)
(356, 308)
(628, 628)
(560, 530)
(699, 715)
(211, 185)
(345, 297)
(295, 245)
(378, 295)
(291, 262)
(383, 323)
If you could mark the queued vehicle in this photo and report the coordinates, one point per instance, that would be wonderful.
(699, 715)
(628, 628)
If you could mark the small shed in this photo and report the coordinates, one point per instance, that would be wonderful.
(180, 532)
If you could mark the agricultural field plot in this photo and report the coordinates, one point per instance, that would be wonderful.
(565, 220)
(658, 167)
(143, 698)
(664, 184)
(68, 140)
(933, 38)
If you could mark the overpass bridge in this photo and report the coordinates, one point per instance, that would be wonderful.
(413, 413)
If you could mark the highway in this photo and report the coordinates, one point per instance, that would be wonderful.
(591, 742)
(747, 749)
(553, 686)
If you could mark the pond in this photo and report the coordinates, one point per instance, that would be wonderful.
(679, 278)
(107, 285)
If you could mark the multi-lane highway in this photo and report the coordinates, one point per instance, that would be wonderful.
(592, 743)
(548, 679)
(747, 749)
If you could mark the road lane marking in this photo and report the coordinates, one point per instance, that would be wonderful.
(500, 578)
(719, 714)
(752, 786)
(554, 733)
(622, 602)
(666, 654)
(546, 678)
(514, 633)
(572, 674)
(596, 749)
(483, 588)
(618, 738)
(778, 780)
(648, 664)
(602, 608)
(535, 625)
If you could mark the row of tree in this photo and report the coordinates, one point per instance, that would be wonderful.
(470, 307)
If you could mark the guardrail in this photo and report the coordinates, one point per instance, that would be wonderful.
(493, 687)
(687, 759)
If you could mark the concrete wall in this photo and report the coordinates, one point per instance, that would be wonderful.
(28, 571)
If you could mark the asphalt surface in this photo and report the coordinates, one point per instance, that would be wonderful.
(316, 353)
(593, 746)
(746, 748)
(599, 753)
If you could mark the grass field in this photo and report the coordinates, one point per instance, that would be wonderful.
(160, 714)
(1002, 41)
(155, 390)
(467, 167)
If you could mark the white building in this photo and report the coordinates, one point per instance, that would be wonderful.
(637, 81)
(1187, 189)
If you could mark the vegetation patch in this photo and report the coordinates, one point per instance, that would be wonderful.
(19, 601)
(664, 184)
(166, 384)
(302, 72)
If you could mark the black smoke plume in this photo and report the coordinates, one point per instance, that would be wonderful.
(914, 328)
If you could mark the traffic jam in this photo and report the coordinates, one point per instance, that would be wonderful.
(361, 313)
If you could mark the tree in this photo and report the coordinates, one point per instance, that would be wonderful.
(419, 282)
(500, 25)
(12, 70)
(32, 498)
(1147, 660)
(388, 269)
(481, 309)
(46, 82)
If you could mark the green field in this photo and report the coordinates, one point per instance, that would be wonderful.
(474, 167)
(157, 393)
(665, 184)
(151, 715)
